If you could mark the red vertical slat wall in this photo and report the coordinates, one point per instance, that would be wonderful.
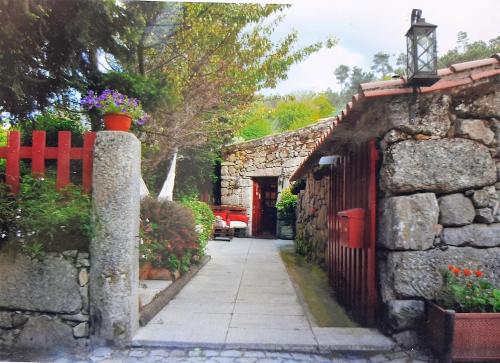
(39, 152)
(352, 271)
(12, 167)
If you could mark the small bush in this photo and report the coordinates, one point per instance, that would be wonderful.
(204, 219)
(168, 234)
(39, 219)
(286, 206)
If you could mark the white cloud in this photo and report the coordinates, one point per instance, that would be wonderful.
(366, 26)
(316, 72)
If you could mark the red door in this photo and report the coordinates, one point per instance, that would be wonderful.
(264, 216)
(353, 205)
(256, 208)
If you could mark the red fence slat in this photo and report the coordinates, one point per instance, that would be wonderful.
(87, 160)
(38, 153)
(12, 167)
(63, 159)
(352, 272)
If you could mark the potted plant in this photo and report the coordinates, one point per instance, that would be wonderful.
(463, 324)
(118, 110)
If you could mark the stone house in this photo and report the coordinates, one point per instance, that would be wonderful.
(413, 184)
(254, 173)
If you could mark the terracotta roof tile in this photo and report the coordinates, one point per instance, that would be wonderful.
(484, 74)
(473, 64)
(382, 84)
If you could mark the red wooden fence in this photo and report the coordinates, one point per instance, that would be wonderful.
(39, 152)
(352, 271)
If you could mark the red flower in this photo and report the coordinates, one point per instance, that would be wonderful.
(456, 271)
(451, 267)
(478, 273)
(467, 272)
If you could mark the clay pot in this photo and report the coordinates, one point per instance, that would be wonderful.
(117, 122)
(144, 271)
(160, 274)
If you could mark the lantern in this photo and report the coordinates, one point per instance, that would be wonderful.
(421, 51)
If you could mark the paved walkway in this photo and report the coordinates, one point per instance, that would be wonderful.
(243, 298)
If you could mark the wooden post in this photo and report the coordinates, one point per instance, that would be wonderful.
(38, 153)
(63, 159)
(12, 168)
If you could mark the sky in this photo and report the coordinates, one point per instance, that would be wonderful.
(364, 27)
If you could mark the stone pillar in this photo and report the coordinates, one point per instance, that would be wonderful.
(114, 250)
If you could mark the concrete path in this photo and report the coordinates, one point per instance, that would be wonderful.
(243, 298)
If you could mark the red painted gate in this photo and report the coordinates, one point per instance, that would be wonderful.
(352, 232)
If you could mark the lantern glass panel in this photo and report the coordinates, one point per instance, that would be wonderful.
(425, 50)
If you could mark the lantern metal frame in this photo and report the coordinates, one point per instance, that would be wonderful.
(421, 57)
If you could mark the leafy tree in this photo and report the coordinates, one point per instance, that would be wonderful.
(381, 63)
(467, 51)
(323, 105)
(50, 49)
(342, 74)
(256, 122)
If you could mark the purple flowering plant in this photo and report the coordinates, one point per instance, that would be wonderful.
(111, 101)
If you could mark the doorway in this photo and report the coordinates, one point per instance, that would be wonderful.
(264, 216)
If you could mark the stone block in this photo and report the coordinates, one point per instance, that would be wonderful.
(440, 166)
(425, 114)
(408, 222)
(477, 235)
(455, 210)
(9, 320)
(44, 333)
(83, 277)
(417, 274)
(50, 285)
(484, 106)
(484, 215)
(406, 339)
(475, 129)
(405, 314)
(81, 330)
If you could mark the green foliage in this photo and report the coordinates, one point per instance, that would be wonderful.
(53, 121)
(50, 48)
(58, 220)
(302, 247)
(381, 64)
(286, 205)
(168, 234)
(291, 115)
(41, 219)
(467, 51)
(204, 219)
(466, 291)
(256, 121)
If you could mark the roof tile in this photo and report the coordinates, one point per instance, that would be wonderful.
(473, 64)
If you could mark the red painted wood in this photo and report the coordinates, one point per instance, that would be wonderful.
(63, 159)
(38, 153)
(12, 167)
(87, 160)
(352, 271)
(256, 208)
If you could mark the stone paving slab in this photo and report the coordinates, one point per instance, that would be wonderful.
(243, 298)
(197, 354)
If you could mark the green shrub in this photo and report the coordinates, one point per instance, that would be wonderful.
(168, 234)
(39, 219)
(204, 219)
(58, 220)
(286, 206)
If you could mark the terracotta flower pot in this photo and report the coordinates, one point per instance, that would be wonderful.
(160, 274)
(144, 271)
(463, 336)
(117, 122)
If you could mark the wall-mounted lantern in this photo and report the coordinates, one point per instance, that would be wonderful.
(421, 48)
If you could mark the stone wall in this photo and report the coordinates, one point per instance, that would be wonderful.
(312, 219)
(44, 304)
(440, 195)
(272, 156)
